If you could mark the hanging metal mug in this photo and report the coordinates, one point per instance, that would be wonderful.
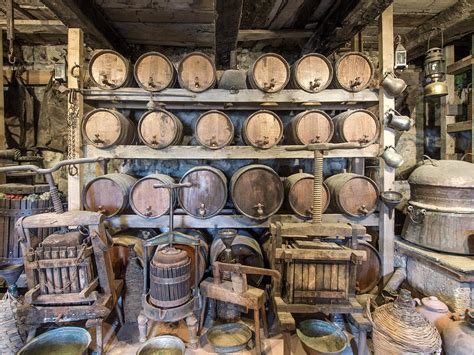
(398, 121)
(392, 85)
(392, 157)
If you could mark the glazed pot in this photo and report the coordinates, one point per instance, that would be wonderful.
(458, 337)
(435, 311)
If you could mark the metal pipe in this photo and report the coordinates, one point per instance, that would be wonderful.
(54, 168)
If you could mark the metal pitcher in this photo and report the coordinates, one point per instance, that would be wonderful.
(392, 157)
(399, 122)
(392, 85)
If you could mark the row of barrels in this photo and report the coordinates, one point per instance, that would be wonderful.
(196, 72)
(256, 191)
(214, 129)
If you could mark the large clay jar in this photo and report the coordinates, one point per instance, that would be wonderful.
(458, 337)
(435, 311)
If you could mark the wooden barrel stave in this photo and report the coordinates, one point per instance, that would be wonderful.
(214, 130)
(356, 126)
(299, 194)
(110, 70)
(196, 72)
(369, 272)
(159, 129)
(269, 73)
(150, 202)
(312, 73)
(262, 129)
(154, 72)
(312, 126)
(353, 72)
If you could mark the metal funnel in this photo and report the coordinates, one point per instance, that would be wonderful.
(227, 236)
(391, 199)
(11, 269)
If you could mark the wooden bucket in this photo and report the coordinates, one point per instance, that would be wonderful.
(104, 128)
(299, 194)
(154, 72)
(356, 126)
(312, 73)
(208, 194)
(262, 129)
(352, 194)
(313, 126)
(108, 194)
(257, 191)
(196, 72)
(214, 130)
(353, 72)
(159, 129)
(110, 70)
(150, 202)
(269, 73)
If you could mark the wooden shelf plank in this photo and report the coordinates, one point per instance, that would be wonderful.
(224, 221)
(231, 152)
(459, 126)
(461, 65)
(225, 99)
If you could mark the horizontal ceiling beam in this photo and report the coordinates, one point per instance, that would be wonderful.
(261, 35)
(37, 26)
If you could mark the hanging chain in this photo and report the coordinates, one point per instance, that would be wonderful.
(72, 121)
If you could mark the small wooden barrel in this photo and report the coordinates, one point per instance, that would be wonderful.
(257, 191)
(269, 73)
(150, 202)
(353, 72)
(110, 70)
(196, 72)
(214, 130)
(208, 194)
(154, 72)
(313, 126)
(352, 194)
(356, 126)
(105, 128)
(262, 129)
(159, 129)
(299, 194)
(312, 73)
(369, 272)
(108, 194)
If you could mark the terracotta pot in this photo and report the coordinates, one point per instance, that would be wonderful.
(435, 311)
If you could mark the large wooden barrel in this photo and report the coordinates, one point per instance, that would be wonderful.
(245, 250)
(108, 193)
(154, 72)
(105, 128)
(214, 129)
(207, 195)
(299, 194)
(257, 191)
(262, 129)
(353, 72)
(159, 129)
(196, 72)
(110, 70)
(269, 73)
(312, 73)
(368, 273)
(352, 194)
(150, 202)
(313, 126)
(356, 126)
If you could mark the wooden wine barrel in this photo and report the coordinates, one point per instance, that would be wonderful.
(262, 129)
(110, 70)
(356, 126)
(353, 72)
(269, 73)
(154, 72)
(159, 129)
(105, 128)
(208, 194)
(312, 73)
(214, 129)
(257, 191)
(313, 126)
(369, 272)
(196, 72)
(245, 250)
(108, 193)
(299, 194)
(150, 202)
(352, 194)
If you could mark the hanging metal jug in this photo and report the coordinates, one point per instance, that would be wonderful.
(392, 157)
(399, 122)
(392, 85)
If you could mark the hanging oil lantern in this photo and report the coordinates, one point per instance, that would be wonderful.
(400, 55)
(435, 68)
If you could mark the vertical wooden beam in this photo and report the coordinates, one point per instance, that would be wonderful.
(357, 164)
(75, 56)
(229, 13)
(3, 144)
(472, 101)
(448, 141)
(386, 224)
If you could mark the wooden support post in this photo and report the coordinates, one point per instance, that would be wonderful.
(386, 224)
(75, 56)
(472, 101)
(3, 144)
(448, 142)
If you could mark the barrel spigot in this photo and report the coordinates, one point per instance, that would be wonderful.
(356, 82)
(364, 139)
(259, 206)
(363, 209)
(196, 82)
(269, 86)
(97, 139)
(213, 141)
(101, 209)
(202, 210)
(263, 142)
(314, 84)
(151, 82)
(154, 141)
(148, 212)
